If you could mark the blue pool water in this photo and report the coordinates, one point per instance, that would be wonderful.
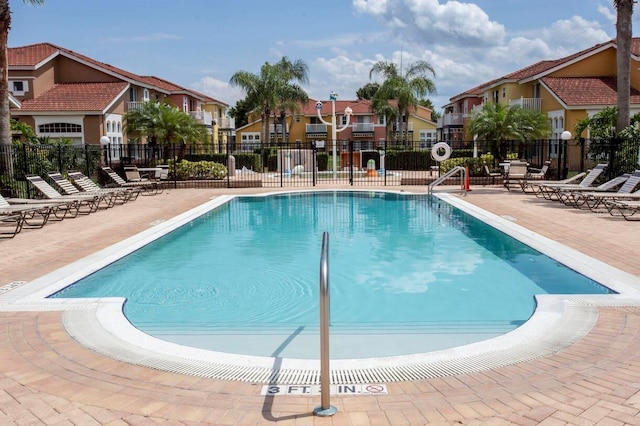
(408, 274)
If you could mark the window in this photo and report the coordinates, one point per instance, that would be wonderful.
(504, 92)
(60, 128)
(19, 87)
(145, 95)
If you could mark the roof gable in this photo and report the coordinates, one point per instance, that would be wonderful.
(35, 55)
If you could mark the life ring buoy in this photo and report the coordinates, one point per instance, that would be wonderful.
(439, 146)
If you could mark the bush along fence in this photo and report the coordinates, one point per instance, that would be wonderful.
(354, 163)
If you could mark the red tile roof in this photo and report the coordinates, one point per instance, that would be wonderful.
(34, 54)
(30, 55)
(75, 97)
(579, 91)
(546, 65)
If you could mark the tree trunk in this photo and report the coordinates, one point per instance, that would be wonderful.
(6, 161)
(624, 10)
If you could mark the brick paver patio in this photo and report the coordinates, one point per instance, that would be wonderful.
(48, 378)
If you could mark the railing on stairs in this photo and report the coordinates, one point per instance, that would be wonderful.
(325, 409)
(450, 173)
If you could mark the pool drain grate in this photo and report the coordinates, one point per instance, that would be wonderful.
(576, 321)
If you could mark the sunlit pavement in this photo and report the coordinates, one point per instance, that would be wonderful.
(48, 378)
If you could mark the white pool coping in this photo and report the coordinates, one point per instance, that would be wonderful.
(99, 323)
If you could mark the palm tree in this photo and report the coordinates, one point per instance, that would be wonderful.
(289, 94)
(624, 11)
(407, 88)
(6, 162)
(498, 123)
(268, 90)
(144, 121)
(164, 124)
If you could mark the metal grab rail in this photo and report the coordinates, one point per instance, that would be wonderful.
(325, 408)
(448, 175)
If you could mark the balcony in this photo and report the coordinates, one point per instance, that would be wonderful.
(277, 128)
(202, 117)
(362, 127)
(316, 129)
(134, 106)
(453, 119)
(533, 104)
(225, 122)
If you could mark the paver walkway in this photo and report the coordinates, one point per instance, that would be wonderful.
(48, 378)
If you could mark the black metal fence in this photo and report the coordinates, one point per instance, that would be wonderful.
(353, 163)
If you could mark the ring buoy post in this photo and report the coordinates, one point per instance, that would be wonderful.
(435, 151)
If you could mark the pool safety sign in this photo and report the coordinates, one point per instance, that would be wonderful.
(343, 390)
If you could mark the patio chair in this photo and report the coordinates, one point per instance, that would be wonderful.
(538, 174)
(550, 190)
(85, 203)
(593, 200)
(492, 175)
(625, 208)
(516, 175)
(133, 175)
(105, 200)
(86, 185)
(147, 188)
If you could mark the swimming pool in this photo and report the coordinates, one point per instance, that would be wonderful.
(407, 270)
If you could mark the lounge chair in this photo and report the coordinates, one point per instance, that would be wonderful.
(593, 199)
(535, 185)
(568, 196)
(86, 185)
(33, 215)
(10, 225)
(550, 191)
(105, 200)
(85, 203)
(147, 187)
(625, 208)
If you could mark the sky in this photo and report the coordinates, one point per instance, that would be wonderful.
(200, 44)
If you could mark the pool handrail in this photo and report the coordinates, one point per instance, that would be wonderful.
(325, 408)
(450, 173)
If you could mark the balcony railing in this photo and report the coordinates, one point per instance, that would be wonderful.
(533, 104)
(316, 128)
(226, 122)
(134, 106)
(453, 119)
(362, 127)
(277, 128)
(202, 117)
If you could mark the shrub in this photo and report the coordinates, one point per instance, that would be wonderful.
(198, 170)
(476, 165)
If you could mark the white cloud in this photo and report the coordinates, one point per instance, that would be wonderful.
(450, 23)
(218, 89)
(608, 13)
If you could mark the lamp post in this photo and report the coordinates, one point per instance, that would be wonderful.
(565, 136)
(334, 130)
